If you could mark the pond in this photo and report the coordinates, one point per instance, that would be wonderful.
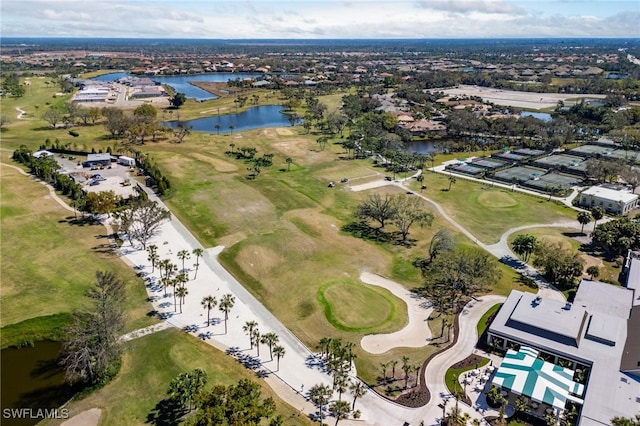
(539, 115)
(32, 378)
(180, 83)
(253, 118)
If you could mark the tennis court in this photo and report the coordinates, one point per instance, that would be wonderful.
(485, 163)
(466, 169)
(626, 155)
(519, 174)
(510, 156)
(591, 151)
(554, 180)
(529, 152)
(563, 161)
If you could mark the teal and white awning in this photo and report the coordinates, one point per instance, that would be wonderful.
(524, 374)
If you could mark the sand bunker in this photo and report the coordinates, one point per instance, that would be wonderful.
(416, 334)
(86, 418)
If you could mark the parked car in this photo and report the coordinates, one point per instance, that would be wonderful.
(94, 183)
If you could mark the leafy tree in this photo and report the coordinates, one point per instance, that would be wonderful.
(442, 241)
(409, 211)
(583, 219)
(4, 120)
(117, 123)
(340, 410)
(457, 274)
(524, 245)
(624, 421)
(618, 236)
(225, 305)
(142, 220)
(91, 350)
(631, 176)
(560, 265)
(186, 386)
(377, 208)
(103, 202)
(209, 302)
(197, 252)
(279, 352)
(181, 132)
(319, 396)
(236, 405)
(52, 116)
(178, 100)
(145, 113)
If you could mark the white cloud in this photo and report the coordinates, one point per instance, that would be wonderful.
(316, 19)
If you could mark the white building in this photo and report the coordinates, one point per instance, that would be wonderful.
(126, 161)
(611, 200)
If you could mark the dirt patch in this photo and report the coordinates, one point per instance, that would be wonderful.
(472, 360)
(259, 261)
(282, 131)
(220, 165)
(591, 261)
(89, 417)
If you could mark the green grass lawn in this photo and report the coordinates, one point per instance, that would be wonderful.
(151, 362)
(452, 375)
(486, 211)
(482, 324)
(36, 234)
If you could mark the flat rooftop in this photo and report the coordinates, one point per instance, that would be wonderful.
(610, 194)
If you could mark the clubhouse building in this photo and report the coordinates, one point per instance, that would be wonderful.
(547, 341)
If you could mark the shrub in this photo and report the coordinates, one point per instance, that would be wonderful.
(74, 133)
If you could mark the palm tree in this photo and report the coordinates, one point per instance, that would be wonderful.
(417, 368)
(384, 370)
(288, 161)
(340, 410)
(279, 352)
(593, 271)
(231, 127)
(583, 218)
(452, 180)
(445, 322)
(153, 256)
(217, 127)
(209, 302)
(407, 368)
(393, 368)
(341, 384)
(524, 245)
(270, 339)
(420, 179)
(255, 336)
(597, 214)
(183, 255)
(182, 293)
(225, 305)
(358, 389)
(248, 328)
(232, 145)
(324, 345)
(349, 349)
(197, 252)
(165, 282)
(319, 396)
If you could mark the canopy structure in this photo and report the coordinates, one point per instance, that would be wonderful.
(524, 374)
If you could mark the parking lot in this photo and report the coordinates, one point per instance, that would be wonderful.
(113, 179)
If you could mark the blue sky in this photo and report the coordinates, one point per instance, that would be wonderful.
(319, 19)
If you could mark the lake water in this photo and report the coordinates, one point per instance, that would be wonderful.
(32, 378)
(539, 115)
(180, 83)
(253, 118)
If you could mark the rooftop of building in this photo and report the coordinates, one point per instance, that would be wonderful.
(610, 194)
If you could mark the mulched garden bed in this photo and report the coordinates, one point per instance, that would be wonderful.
(472, 360)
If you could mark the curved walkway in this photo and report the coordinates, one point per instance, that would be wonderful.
(414, 335)
(21, 113)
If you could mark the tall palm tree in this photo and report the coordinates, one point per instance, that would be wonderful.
(340, 410)
(183, 255)
(217, 127)
(153, 257)
(209, 302)
(197, 252)
(231, 127)
(248, 328)
(341, 384)
(583, 218)
(270, 339)
(165, 283)
(182, 293)
(255, 336)
(358, 389)
(324, 345)
(597, 213)
(225, 305)
(349, 352)
(288, 161)
(279, 352)
(393, 368)
(417, 368)
(406, 367)
(319, 396)
(452, 180)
